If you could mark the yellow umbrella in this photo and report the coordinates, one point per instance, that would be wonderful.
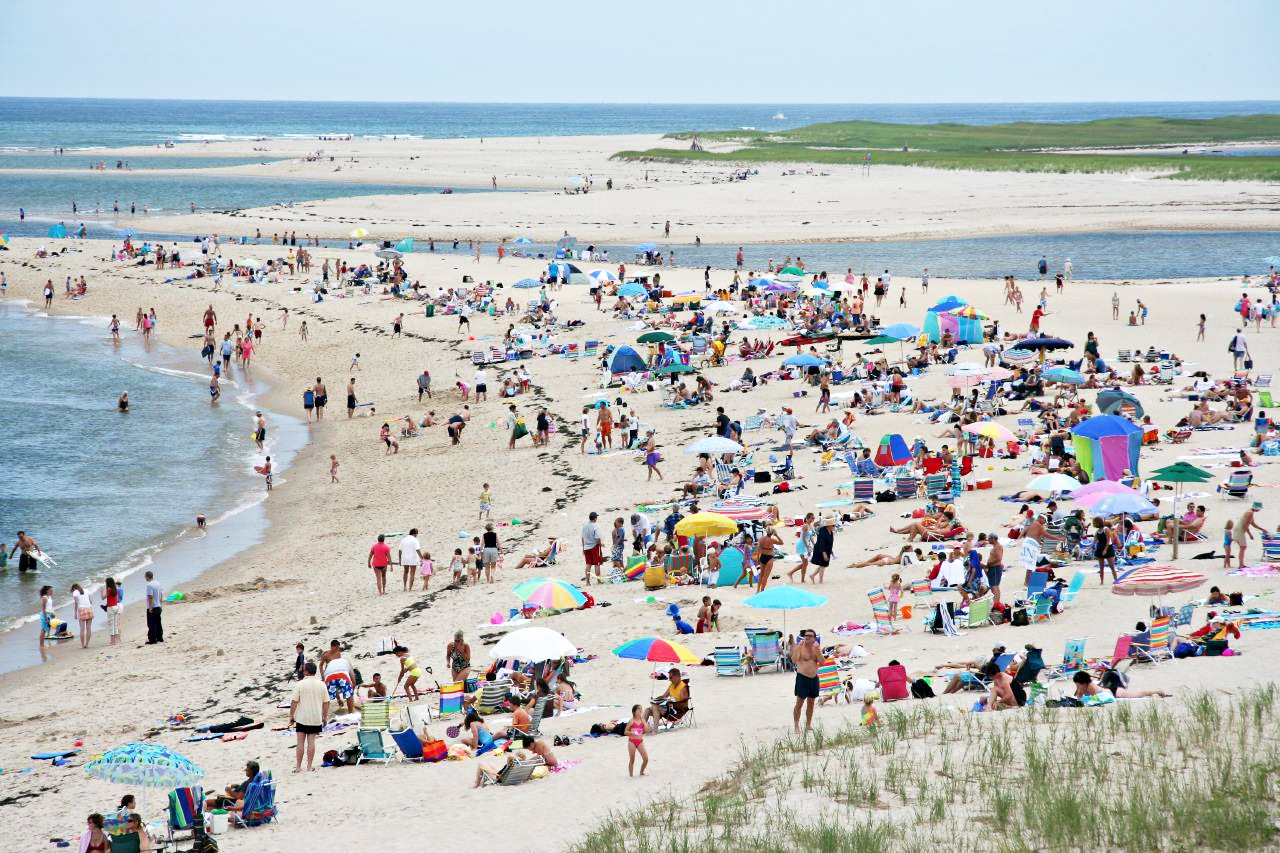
(688, 297)
(359, 233)
(706, 524)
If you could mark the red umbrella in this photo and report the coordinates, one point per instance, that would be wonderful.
(1156, 580)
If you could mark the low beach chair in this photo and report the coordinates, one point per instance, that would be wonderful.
(540, 563)
(1265, 401)
(589, 349)
(409, 744)
(450, 699)
(1158, 649)
(729, 661)
(1271, 547)
(1042, 609)
(935, 484)
(906, 487)
(478, 357)
(185, 812)
(1124, 355)
(1123, 650)
(259, 802)
(880, 612)
(514, 773)
(1184, 615)
(493, 696)
(1072, 659)
(375, 714)
(372, 747)
(1073, 588)
(535, 719)
(829, 684)
(1036, 585)
(922, 593)
(979, 612)
(766, 650)
(1237, 485)
(864, 489)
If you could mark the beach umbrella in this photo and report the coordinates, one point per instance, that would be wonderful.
(656, 650)
(1122, 504)
(1116, 402)
(742, 510)
(686, 298)
(1044, 344)
(550, 593)
(713, 445)
(792, 270)
(990, 429)
(766, 321)
(1016, 356)
(249, 263)
(1086, 494)
(405, 246)
(387, 254)
(998, 373)
(804, 359)
(720, 308)
(706, 524)
(1179, 473)
(522, 241)
(677, 367)
(58, 230)
(901, 331)
(881, 340)
(1156, 580)
(968, 312)
(602, 276)
(632, 289)
(892, 451)
(647, 247)
(656, 338)
(526, 283)
(4, 239)
(146, 765)
(780, 287)
(1063, 375)
(1274, 260)
(358, 233)
(533, 645)
(760, 282)
(966, 368)
(785, 598)
(1053, 483)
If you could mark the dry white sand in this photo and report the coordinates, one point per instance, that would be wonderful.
(231, 651)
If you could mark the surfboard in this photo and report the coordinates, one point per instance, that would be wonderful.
(45, 560)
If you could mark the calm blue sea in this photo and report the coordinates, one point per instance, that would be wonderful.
(102, 491)
(78, 123)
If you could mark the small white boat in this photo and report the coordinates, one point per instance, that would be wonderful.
(778, 117)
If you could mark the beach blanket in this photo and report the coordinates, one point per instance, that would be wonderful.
(850, 629)
(1261, 570)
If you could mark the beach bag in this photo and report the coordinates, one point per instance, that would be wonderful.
(1184, 650)
(920, 689)
(1020, 618)
(521, 430)
(1248, 364)
(435, 750)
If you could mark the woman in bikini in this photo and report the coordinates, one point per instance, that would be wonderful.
(96, 841)
(408, 667)
(458, 654)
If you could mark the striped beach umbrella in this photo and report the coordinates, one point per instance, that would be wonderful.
(656, 650)
(1156, 580)
(1017, 356)
(147, 765)
(550, 593)
(741, 510)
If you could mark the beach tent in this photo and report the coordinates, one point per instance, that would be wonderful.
(893, 451)
(939, 320)
(1115, 402)
(405, 246)
(625, 360)
(1106, 446)
(572, 272)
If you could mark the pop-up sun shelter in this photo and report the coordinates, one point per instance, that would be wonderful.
(1106, 446)
(964, 330)
(569, 271)
(625, 360)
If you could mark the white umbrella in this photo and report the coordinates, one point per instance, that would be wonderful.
(387, 254)
(359, 233)
(602, 275)
(713, 445)
(249, 263)
(533, 645)
(719, 308)
(1053, 483)
(966, 368)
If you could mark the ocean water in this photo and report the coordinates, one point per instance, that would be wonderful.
(104, 493)
(87, 163)
(93, 193)
(78, 123)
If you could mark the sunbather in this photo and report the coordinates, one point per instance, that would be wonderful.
(887, 559)
(530, 560)
(926, 526)
(1086, 687)
(491, 773)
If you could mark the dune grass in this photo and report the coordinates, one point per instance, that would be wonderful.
(1017, 147)
(1195, 774)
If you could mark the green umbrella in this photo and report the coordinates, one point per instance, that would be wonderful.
(656, 338)
(881, 339)
(1179, 473)
(791, 271)
(678, 367)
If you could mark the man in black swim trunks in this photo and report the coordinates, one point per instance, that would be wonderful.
(806, 655)
(322, 397)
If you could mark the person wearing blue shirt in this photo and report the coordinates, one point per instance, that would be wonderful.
(867, 466)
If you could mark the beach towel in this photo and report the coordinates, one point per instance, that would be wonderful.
(850, 629)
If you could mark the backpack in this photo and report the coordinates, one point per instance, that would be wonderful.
(1020, 618)
(920, 689)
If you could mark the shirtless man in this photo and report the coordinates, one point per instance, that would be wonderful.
(29, 547)
(995, 566)
(1001, 696)
(210, 318)
(321, 395)
(1242, 532)
(805, 655)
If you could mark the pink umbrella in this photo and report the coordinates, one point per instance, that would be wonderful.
(997, 373)
(1102, 487)
(1156, 580)
(992, 430)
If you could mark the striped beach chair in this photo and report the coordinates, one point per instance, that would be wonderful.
(906, 487)
(935, 484)
(729, 661)
(880, 611)
(922, 595)
(478, 357)
(589, 348)
(766, 650)
(864, 490)
(450, 698)
(375, 714)
(829, 685)
(1160, 637)
(1271, 547)
(571, 351)
(497, 355)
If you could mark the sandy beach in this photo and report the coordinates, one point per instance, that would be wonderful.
(229, 648)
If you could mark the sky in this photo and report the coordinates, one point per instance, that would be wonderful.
(693, 51)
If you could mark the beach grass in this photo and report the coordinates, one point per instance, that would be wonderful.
(1123, 777)
(1017, 147)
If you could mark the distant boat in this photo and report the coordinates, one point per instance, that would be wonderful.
(778, 117)
(746, 127)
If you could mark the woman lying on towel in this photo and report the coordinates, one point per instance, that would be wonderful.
(904, 557)
(1086, 687)
(927, 526)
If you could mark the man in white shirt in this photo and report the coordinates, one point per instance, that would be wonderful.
(308, 710)
(410, 557)
(1239, 349)
(591, 550)
(481, 385)
(787, 423)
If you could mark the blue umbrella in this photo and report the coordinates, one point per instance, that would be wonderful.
(631, 289)
(527, 282)
(1044, 343)
(785, 598)
(522, 241)
(1272, 259)
(647, 247)
(1122, 504)
(804, 360)
(143, 764)
(58, 230)
(780, 287)
(901, 331)
(760, 282)
(1064, 375)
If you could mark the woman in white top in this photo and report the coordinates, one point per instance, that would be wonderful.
(84, 613)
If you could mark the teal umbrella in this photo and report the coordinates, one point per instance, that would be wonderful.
(678, 367)
(785, 598)
(58, 230)
(147, 765)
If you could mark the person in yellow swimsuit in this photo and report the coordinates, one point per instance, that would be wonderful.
(410, 669)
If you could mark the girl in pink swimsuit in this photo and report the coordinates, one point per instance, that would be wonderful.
(635, 742)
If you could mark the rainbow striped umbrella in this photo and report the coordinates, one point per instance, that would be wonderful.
(1156, 580)
(147, 765)
(656, 650)
(968, 312)
(550, 593)
(741, 510)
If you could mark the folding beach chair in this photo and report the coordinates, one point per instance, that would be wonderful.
(493, 696)
(1026, 428)
(1124, 648)
(906, 487)
(1124, 355)
(729, 661)
(373, 748)
(551, 556)
(829, 685)
(1263, 381)
(497, 355)
(409, 744)
(864, 489)
(1264, 400)
(450, 699)
(1042, 609)
(570, 351)
(1157, 649)
(514, 773)
(535, 719)
(1036, 585)
(259, 802)
(589, 348)
(935, 484)
(1073, 588)
(185, 812)
(1237, 485)
(1072, 659)
(880, 612)
(979, 612)
(765, 647)
(1271, 547)
(1183, 616)
(375, 714)
(922, 593)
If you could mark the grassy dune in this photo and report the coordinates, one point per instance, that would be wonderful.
(1018, 147)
